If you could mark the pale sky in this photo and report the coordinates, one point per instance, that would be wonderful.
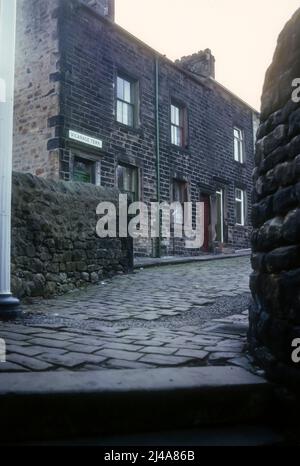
(241, 34)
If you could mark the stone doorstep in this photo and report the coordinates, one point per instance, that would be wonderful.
(74, 383)
(126, 401)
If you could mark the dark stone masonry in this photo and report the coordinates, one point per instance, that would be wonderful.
(275, 282)
(55, 248)
(72, 65)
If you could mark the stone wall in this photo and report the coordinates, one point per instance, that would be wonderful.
(94, 52)
(275, 282)
(36, 87)
(55, 248)
(68, 58)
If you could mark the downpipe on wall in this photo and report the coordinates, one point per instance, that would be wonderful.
(157, 143)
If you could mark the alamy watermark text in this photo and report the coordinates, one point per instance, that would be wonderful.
(2, 351)
(296, 91)
(139, 220)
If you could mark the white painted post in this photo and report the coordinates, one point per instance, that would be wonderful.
(7, 65)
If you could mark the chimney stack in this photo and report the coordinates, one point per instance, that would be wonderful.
(103, 7)
(201, 63)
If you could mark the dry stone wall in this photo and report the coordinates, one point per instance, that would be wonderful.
(275, 282)
(55, 248)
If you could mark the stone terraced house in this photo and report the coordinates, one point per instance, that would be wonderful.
(95, 104)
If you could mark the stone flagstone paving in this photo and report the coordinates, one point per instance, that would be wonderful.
(158, 317)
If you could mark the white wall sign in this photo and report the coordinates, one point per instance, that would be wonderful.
(83, 138)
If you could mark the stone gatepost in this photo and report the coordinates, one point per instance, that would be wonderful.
(275, 282)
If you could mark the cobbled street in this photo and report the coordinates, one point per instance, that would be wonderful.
(179, 315)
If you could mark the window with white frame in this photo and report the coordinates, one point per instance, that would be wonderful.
(239, 150)
(180, 191)
(240, 206)
(128, 181)
(126, 105)
(180, 195)
(85, 170)
(177, 125)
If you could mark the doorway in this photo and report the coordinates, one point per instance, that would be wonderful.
(205, 198)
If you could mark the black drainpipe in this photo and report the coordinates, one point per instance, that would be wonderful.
(157, 135)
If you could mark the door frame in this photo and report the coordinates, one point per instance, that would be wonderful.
(220, 192)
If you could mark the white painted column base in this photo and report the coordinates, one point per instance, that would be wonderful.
(7, 65)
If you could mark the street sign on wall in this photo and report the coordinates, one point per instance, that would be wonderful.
(84, 139)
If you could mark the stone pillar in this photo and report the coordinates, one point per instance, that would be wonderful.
(275, 281)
